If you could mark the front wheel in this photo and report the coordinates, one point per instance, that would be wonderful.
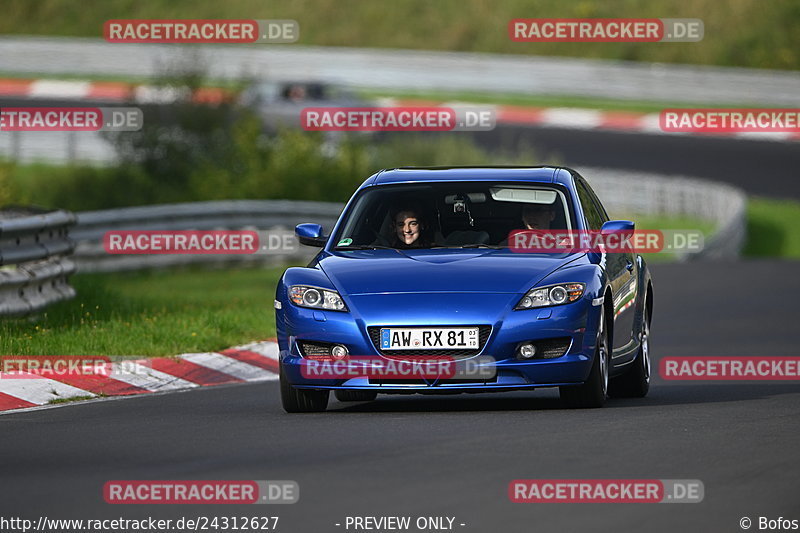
(635, 383)
(594, 391)
(300, 400)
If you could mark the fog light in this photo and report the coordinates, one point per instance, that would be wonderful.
(526, 351)
(339, 352)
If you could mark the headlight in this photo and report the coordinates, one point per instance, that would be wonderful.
(562, 293)
(316, 298)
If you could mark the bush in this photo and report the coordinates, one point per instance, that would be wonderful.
(294, 164)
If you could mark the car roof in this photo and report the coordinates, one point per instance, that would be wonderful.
(537, 174)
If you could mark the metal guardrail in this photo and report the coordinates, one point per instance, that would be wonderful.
(34, 263)
(622, 192)
(274, 215)
(723, 205)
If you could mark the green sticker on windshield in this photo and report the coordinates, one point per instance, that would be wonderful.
(345, 242)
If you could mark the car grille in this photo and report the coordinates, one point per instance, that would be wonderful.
(483, 336)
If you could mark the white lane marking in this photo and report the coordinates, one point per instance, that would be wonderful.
(229, 366)
(38, 390)
(765, 135)
(140, 375)
(59, 89)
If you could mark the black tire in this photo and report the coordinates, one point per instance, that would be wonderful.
(302, 401)
(635, 383)
(355, 395)
(594, 391)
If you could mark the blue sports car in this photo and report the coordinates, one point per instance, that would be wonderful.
(419, 270)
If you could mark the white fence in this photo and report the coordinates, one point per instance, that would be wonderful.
(724, 206)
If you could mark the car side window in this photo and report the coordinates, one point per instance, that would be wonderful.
(597, 203)
(595, 215)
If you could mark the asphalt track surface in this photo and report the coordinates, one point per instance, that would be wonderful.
(455, 455)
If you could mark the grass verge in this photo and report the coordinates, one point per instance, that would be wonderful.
(150, 314)
(645, 222)
(57, 401)
(772, 228)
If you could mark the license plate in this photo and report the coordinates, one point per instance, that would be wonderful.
(429, 338)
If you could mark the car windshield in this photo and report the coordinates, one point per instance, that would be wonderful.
(296, 92)
(450, 215)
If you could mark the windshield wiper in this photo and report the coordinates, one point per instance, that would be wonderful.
(364, 247)
(480, 245)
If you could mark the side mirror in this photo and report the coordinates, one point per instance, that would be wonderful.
(613, 226)
(310, 235)
(608, 228)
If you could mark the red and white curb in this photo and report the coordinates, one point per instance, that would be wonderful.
(107, 91)
(589, 119)
(257, 361)
(573, 118)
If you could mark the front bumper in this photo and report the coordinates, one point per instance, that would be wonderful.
(576, 321)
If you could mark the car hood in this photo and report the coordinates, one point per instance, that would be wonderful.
(439, 270)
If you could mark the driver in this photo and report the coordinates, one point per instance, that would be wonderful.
(535, 217)
(409, 228)
(538, 216)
